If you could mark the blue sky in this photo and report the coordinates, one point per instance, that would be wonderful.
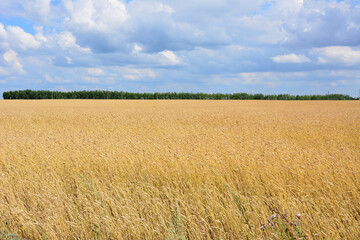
(267, 46)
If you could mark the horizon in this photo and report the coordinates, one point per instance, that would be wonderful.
(105, 94)
(296, 47)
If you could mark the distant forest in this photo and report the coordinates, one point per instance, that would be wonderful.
(43, 94)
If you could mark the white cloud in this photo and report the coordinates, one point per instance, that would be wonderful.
(37, 9)
(91, 79)
(95, 71)
(151, 7)
(214, 8)
(323, 23)
(3, 42)
(34, 10)
(68, 60)
(98, 15)
(98, 24)
(337, 55)
(67, 40)
(352, 25)
(137, 73)
(131, 77)
(50, 79)
(286, 7)
(19, 39)
(291, 58)
(11, 58)
(170, 58)
(2, 31)
(259, 29)
(137, 49)
(272, 79)
(345, 73)
(40, 37)
(346, 82)
(269, 78)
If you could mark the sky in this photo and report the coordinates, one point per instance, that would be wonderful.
(226, 46)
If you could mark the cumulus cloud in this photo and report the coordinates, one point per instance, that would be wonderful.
(16, 38)
(66, 40)
(291, 58)
(56, 79)
(13, 61)
(337, 55)
(68, 60)
(151, 7)
(3, 40)
(95, 14)
(95, 71)
(259, 30)
(132, 73)
(37, 9)
(169, 58)
(323, 23)
(97, 24)
(288, 7)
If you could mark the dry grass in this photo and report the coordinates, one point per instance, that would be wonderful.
(72, 169)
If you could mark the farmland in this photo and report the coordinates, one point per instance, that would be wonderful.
(113, 169)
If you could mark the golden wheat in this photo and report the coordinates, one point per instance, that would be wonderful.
(83, 169)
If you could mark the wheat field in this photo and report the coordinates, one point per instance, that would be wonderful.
(113, 169)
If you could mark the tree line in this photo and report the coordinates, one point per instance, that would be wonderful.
(101, 94)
